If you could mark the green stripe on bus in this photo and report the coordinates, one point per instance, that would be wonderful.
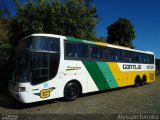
(107, 73)
(79, 40)
(96, 75)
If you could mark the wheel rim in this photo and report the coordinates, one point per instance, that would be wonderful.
(137, 84)
(72, 91)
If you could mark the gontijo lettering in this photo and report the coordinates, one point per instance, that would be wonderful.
(126, 66)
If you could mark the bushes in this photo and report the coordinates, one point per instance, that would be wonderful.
(5, 50)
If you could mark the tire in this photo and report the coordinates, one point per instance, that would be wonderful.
(144, 79)
(71, 91)
(137, 81)
(136, 84)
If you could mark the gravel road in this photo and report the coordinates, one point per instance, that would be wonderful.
(129, 100)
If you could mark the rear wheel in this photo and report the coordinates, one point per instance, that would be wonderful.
(137, 81)
(144, 80)
(71, 91)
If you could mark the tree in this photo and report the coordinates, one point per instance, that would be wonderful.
(5, 47)
(71, 18)
(121, 33)
(157, 66)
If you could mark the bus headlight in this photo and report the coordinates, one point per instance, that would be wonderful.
(21, 89)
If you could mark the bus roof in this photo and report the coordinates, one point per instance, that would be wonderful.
(90, 42)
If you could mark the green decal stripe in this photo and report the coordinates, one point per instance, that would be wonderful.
(37, 94)
(79, 40)
(107, 73)
(96, 75)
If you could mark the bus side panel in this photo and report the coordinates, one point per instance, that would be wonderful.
(101, 74)
(127, 77)
(108, 75)
(75, 70)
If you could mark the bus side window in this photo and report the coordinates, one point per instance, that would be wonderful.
(53, 44)
(151, 59)
(119, 55)
(112, 54)
(94, 52)
(148, 59)
(125, 56)
(71, 49)
(128, 56)
(103, 53)
(137, 57)
(82, 51)
(41, 43)
(131, 56)
(145, 58)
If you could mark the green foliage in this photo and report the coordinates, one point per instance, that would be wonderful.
(5, 50)
(158, 67)
(70, 18)
(5, 47)
(4, 30)
(158, 64)
(121, 33)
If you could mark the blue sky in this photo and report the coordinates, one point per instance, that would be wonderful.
(144, 15)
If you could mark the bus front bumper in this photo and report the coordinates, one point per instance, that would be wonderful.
(20, 96)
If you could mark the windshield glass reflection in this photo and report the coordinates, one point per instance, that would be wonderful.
(21, 68)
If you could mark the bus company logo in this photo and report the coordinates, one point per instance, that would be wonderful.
(73, 68)
(126, 66)
(45, 93)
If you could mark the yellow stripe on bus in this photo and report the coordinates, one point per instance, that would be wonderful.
(127, 78)
(101, 43)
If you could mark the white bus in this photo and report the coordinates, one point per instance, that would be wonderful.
(48, 66)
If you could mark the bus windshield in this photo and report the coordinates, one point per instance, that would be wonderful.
(36, 59)
(21, 68)
(39, 43)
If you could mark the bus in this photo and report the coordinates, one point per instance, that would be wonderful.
(48, 66)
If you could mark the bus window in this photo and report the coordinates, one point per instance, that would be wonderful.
(151, 59)
(71, 50)
(53, 44)
(128, 56)
(131, 57)
(137, 57)
(125, 56)
(119, 55)
(94, 52)
(103, 53)
(112, 54)
(145, 58)
(82, 51)
(46, 43)
(41, 43)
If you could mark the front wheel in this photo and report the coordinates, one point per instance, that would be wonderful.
(71, 91)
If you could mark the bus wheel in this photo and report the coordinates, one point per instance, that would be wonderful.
(137, 81)
(144, 80)
(71, 91)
